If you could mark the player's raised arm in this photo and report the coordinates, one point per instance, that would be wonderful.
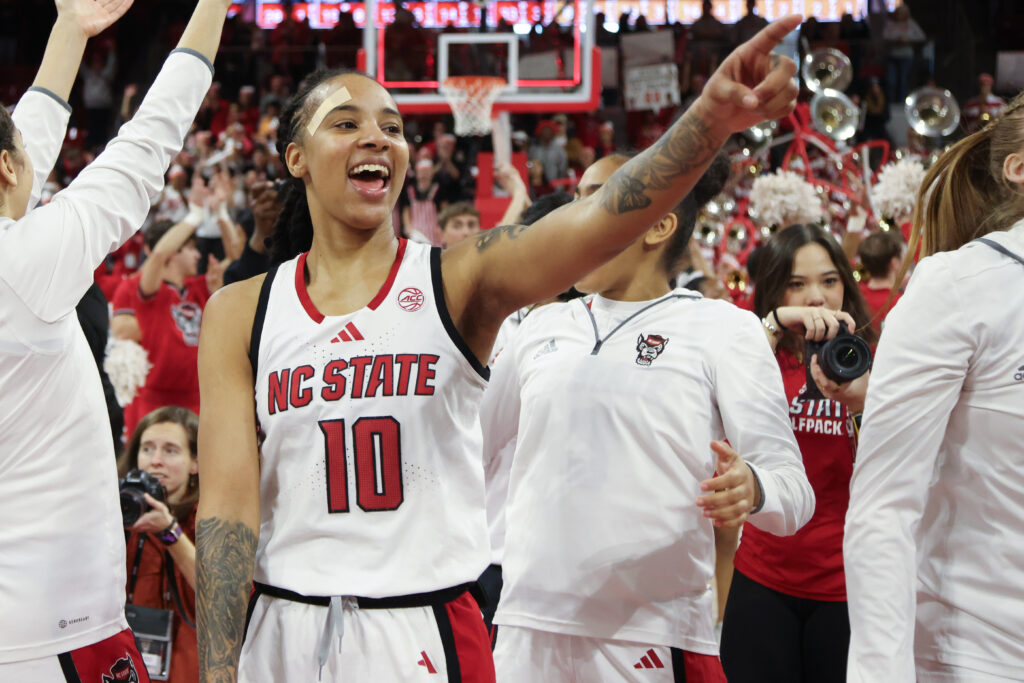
(42, 114)
(486, 275)
(227, 524)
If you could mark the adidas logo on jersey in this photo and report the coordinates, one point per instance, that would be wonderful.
(1020, 374)
(425, 662)
(350, 333)
(649, 661)
(546, 349)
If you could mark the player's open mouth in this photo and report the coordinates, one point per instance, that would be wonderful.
(371, 180)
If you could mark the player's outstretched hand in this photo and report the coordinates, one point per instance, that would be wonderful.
(753, 84)
(92, 16)
(730, 496)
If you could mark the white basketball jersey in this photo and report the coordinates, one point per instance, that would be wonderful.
(371, 478)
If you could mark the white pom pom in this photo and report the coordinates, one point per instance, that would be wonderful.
(895, 193)
(784, 198)
(127, 365)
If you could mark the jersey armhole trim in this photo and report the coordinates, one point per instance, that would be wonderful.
(257, 321)
(446, 318)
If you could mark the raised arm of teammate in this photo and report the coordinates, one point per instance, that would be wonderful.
(484, 277)
(42, 114)
(50, 255)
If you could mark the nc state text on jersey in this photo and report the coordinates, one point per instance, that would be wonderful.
(399, 374)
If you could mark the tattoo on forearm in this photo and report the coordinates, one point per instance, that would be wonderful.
(224, 558)
(687, 147)
(488, 237)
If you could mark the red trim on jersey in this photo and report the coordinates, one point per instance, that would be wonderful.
(386, 287)
(311, 309)
(300, 289)
(472, 645)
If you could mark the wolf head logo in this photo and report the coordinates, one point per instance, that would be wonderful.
(123, 671)
(648, 348)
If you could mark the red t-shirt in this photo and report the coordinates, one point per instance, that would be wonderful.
(808, 564)
(169, 320)
(875, 299)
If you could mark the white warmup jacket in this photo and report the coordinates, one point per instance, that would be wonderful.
(62, 567)
(934, 545)
(614, 407)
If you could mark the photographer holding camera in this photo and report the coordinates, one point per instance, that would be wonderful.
(786, 617)
(159, 495)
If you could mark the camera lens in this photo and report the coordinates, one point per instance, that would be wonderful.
(845, 358)
(133, 505)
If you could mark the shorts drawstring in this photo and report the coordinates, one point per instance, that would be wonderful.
(335, 622)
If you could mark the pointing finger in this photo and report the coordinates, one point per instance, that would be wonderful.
(772, 34)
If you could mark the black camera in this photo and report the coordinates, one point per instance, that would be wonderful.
(133, 487)
(843, 358)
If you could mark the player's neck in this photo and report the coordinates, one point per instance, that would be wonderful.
(648, 284)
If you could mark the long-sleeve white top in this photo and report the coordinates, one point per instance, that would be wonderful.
(934, 546)
(62, 570)
(613, 408)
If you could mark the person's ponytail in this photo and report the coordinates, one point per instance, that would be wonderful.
(965, 194)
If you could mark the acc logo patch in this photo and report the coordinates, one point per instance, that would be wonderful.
(411, 299)
(648, 348)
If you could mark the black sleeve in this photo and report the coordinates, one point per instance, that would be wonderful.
(250, 264)
(94, 318)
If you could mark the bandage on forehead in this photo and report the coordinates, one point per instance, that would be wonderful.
(335, 99)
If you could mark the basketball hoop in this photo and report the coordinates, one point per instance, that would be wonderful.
(471, 98)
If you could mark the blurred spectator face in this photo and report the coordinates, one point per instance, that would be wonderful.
(815, 280)
(607, 134)
(246, 96)
(164, 453)
(587, 156)
(186, 258)
(459, 228)
(520, 141)
(177, 178)
(424, 172)
(446, 146)
(707, 8)
(439, 130)
(985, 85)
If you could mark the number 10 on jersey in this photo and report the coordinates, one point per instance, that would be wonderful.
(377, 447)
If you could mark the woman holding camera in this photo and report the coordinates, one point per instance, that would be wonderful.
(161, 555)
(785, 618)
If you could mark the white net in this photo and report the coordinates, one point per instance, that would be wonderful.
(471, 99)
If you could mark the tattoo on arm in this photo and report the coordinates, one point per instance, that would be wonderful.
(225, 552)
(488, 237)
(687, 147)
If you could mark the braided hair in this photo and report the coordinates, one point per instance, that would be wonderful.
(293, 231)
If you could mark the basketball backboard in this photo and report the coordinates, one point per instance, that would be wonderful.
(544, 50)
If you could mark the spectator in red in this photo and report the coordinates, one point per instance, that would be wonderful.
(161, 309)
(161, 555)
(249, 111)
(786, 617)
(650, 130)
(420, 203)
(882, 254)
(984, 107)
(606, 140)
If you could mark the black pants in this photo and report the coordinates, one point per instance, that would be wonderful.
(771, 637)
(490, 585)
